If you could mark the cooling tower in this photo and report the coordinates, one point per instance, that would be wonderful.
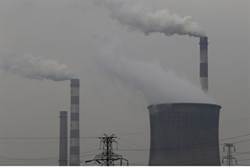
(63, 145)
(184, 134)
(74, 123)
(204, 63)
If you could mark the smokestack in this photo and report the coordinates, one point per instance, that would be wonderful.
(184, 134)
(63, 146)
(204, 63)
(74, 126)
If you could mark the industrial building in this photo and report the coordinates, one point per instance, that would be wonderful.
(181, 133)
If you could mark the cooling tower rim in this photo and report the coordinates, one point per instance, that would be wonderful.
(187, 104)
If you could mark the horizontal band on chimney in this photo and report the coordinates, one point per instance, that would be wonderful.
(74, 150)
(75, 83)
(74, 99)
(74, 133)
(74, 116)
(203, 70)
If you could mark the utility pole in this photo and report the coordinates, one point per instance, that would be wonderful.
(230, 148)
(107, 157)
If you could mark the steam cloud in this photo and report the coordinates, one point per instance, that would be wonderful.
(158, 85)
(34, 67)
(138, 17)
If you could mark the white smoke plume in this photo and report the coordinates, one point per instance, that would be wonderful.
(34, 67)
(157, 84)
(146, 20)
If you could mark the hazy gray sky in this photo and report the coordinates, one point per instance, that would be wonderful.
(73, 31)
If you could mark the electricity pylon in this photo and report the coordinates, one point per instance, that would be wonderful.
(230, 160)
(107, 157)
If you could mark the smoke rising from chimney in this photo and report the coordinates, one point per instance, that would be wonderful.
(34, 67)
(140, 18)
(157, 84)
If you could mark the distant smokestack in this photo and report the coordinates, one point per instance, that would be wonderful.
(204, 63)
(74, 126)
(63, 146)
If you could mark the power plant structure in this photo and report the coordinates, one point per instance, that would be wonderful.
(204, 63)
(74, 123)
(63, 144)
(184, 134)
(180, 133)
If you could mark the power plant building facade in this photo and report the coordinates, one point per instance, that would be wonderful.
(184, 134)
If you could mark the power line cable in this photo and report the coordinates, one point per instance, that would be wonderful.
(241, 141)
(242, 153)
(239, 136)
(244, 159)
(24, 138)
(27, 158)
(39, 158)
(238, 119)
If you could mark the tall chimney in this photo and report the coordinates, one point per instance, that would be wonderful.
(74, 123)
(204, 63)
(63, 146)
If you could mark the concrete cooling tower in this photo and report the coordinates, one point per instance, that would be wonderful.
(184, 134)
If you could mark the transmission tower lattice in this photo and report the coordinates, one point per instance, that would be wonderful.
(107, 157)
(229, 148)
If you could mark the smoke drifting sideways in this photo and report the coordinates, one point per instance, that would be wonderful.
(32, 67)
(141, 18)
(157, 84)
